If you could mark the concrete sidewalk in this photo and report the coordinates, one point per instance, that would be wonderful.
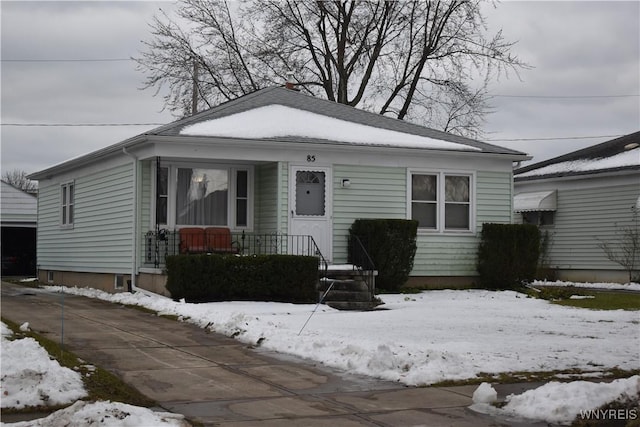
(216, 380)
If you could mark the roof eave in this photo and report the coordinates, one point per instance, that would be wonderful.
(87, 158)
(317, 142)
(580, 174)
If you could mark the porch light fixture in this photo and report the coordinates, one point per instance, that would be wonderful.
(346, 183)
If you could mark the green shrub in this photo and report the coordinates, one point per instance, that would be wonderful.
(391, 243)
(508, 255)
(205, 278)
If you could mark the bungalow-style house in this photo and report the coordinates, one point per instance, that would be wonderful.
(18, 214)
(269, 166)
(581, 200)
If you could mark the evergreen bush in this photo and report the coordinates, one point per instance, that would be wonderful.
(391, 243)
(508, 255)
(224, 277)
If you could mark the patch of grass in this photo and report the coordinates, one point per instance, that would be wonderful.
(600, 300)
(606, 301)
(539, 376)
(99, 383)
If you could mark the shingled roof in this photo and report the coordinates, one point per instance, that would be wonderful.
(620, 154)
(279, 96)
(300, 101)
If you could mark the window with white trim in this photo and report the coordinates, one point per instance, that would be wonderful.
(203, 195)
(441, 201)
(242, 198)
(162, 194)
(67, 203)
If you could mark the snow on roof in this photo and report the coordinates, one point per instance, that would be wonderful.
(273, 121)
(626, 158)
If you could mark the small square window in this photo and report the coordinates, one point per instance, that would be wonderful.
(119, 281)
(539, 218)
(49, 276)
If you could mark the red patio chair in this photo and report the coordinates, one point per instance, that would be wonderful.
(219, 240)
(193, 240)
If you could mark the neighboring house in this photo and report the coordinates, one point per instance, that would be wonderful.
(18, 213)
(272, 163)
(581, 200)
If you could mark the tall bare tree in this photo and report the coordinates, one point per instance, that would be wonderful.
(426, 61)
(19, 179)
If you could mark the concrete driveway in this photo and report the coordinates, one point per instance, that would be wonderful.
(216, 380)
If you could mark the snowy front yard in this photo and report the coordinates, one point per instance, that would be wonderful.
(424, 338)
(416, 339)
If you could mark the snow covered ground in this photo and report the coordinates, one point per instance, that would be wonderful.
(31, 378)
(432, 336)
(424, 338)
(604, 286)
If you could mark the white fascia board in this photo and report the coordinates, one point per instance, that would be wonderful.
(581, 182)
(87, 159)
(242, 145)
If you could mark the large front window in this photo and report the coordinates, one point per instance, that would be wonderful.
(441, 201)
(203, 196)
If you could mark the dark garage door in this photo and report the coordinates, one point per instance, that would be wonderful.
(18, 251)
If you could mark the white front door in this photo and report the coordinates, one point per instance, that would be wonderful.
(310, 190)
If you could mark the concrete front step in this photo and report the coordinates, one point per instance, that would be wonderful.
(349, 290)
(351, 305)
(343, 285)
(363, 296)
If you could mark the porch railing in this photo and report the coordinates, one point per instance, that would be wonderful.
(160, 244)
(359, 257)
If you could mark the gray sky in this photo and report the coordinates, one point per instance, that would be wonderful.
(577, 49)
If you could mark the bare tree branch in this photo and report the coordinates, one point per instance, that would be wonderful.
(19, 180)
(398, 58)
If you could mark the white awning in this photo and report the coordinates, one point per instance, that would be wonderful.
(536, 201)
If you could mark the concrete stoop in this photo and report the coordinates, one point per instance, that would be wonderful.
(349, 290)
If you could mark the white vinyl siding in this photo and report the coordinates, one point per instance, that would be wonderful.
(283, 198)
(147, 204)
(374, 192)
(17, 207)
(456, 254)
(584, 217)
(381, 192)
(101, 238)
(267, 198)
(494, 198)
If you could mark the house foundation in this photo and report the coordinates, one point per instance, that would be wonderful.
(106, 282)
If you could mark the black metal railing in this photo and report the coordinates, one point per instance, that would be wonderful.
(360, 258)
(162, 243)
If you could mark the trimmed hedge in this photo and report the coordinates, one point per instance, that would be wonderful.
(216, 277)
(391, 243)
(508, 255)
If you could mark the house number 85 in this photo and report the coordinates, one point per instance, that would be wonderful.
(311, 158)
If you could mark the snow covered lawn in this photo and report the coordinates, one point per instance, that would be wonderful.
(417, 339)
(31, 378)
(423, 338)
